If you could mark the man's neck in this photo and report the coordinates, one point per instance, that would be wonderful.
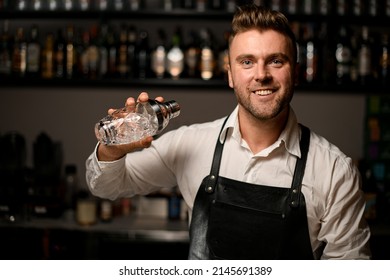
(260, 134)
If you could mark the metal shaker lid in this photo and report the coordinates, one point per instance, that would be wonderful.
(174, 107)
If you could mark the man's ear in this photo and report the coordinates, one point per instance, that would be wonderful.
(229, 72)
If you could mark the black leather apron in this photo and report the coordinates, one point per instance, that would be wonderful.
(238, 220)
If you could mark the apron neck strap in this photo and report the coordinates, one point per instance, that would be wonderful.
(299, 171)
(213, 177)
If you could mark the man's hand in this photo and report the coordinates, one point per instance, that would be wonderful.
(115, 152)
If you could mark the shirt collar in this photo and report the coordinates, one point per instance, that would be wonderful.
(290, 136)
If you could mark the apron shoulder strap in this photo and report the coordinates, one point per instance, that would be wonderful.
(212, 178)
(300, 167)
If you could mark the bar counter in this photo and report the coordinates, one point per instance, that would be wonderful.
(128, 237)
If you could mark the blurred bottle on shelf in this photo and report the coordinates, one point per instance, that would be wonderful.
(258, 2)
(175, 56)
(201, 5)
(223, 57)
(373, 7)
(216, 5)
(387, 8)
(143, 56)
(71, 189)
(192, 56)
(309, 7)
(342, 7)
(126, 51)
(86, 209)
(292, 7)
(59, 55)
(5, 51)
(122, 52)
(119, 5)
(276, 5)
(93, 53)
(384, 61)
(102, 5)
(312, 56)
(21, 5)
(125, 206)
(47, 191)
(37, 5)
(365, 58)
(168, 5)
(79, 51)
(68, 5)
(84, 5)
(327, 61)
(324, 7)
(83, 61)
(230, 6)
(70, 53)
(47, 57)
(354, 38)
(132, 37)
(358, 7)
(13, 176)
(112, 54)
(369, 186)
(103, 51)
(174, 204)
(207, 56)
(343, 57)
(158, 55)
(19, 54)
(53, 5)
(33, 53)
(106, 210)
(135, 5)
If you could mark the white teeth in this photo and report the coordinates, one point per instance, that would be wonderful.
(263, 92)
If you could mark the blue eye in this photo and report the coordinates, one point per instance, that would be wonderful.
(276, 62)
(246, 63)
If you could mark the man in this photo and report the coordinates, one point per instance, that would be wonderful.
(258, 184)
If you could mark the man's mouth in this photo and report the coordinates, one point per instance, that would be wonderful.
(263, 92)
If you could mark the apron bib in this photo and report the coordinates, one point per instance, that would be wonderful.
(238, 220)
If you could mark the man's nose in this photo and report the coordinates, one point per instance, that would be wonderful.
(262, 73)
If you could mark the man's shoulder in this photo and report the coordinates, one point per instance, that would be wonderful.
(201, 129)
(321, 146)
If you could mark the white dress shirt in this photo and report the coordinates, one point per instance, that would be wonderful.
(331, 184)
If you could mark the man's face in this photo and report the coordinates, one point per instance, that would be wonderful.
(261, 72)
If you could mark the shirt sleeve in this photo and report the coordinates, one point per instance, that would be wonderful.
(104, 178)
(138, 173)
(343, 227)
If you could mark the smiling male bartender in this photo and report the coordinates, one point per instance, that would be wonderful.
(258, 184)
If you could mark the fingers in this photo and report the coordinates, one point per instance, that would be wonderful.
(115, 152)
(160, 99)
(144, 97)
(131, 102)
